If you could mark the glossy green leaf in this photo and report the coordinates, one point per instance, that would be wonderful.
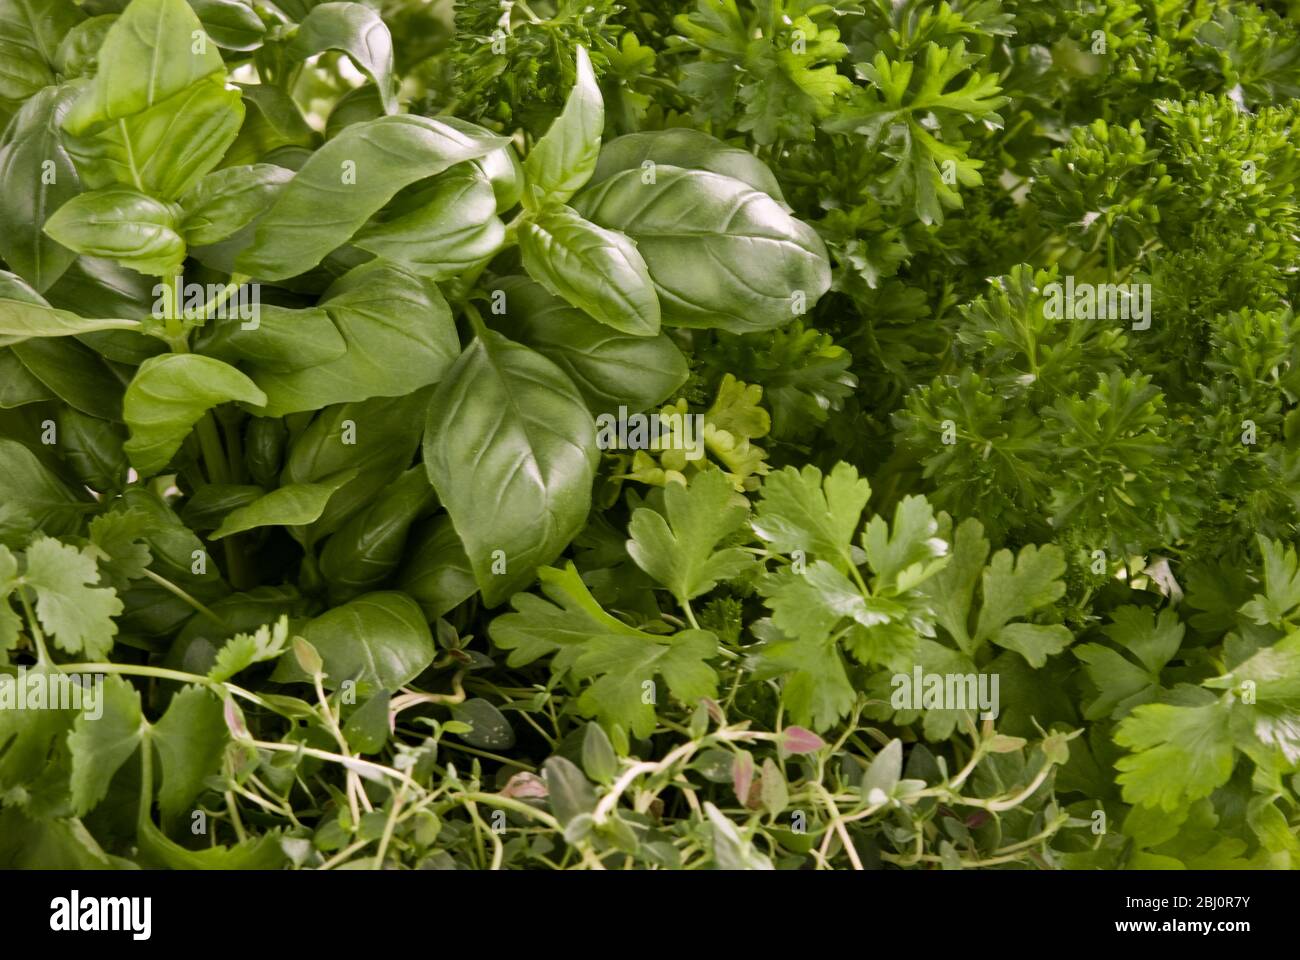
(688, 149)
(294, 505)
(29, 487)
(137, 231)
(75, 373)
(451, 224)
(167, 397)
(511, 450)
(721, 253)
(150, 54)
(610, 368)
(229, 199)
(40, 177)
(274, 339)
(564, 158)
(349, 179)
(30, 33)
(358, 31)
(436, 571)
(165, 150)
(380, 640)
(20, 320)
(368, 548)
(232, 24)
(399, 337)
(596, 270)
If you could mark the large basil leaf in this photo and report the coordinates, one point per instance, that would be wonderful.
(166, 149)
(399, 335)
(610, 368)
(562, 161)
(30, 32)
(34, 190)
(18, 386)
(167, 397)
(721, 253)
(20, 319)
(511, 449)
(41, 497)
(380, 640)
(78, 53)
(378, 437)
(122, 225)
(358, 31)
(75, 373)
(368, 548)
(148, 55)
(349, 179)
(272, 122)
(294, 505)
(229, 199)
(93, 449)
(686, 148)
(436, 571)
(596, 270)
(282, 340)
(451, 224)
(232, 24)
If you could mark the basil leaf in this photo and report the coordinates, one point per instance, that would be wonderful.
(399, 337)
(78, 53)
(279, 339)
(30, 32)
(40, 177)
(368, 548)
(166, 149)
(358, 31)
(380, 640)
(610, 368)
(28, 486)
(452, 225)
(232, 24)
(20, 320)
(167, 397)
(293, 505)
(511, 450)
(596, 270)
(436, 572)
(564, 158)
(721, 253)
(686, 148)
(149, 55)
(272, 122)
(75, 373)
(349, 179)
(137, 231)
(228, 200)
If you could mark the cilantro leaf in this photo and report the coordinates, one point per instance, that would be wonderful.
(79, 616)
(101, 744)
(245, 649)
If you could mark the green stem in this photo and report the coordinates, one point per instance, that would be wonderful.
(33, 625)
(177, 591)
